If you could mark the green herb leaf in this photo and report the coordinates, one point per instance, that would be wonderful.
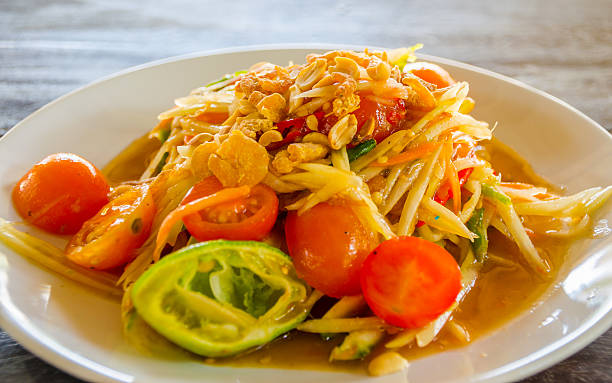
(226, 77)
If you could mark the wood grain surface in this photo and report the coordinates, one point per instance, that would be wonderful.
(48, 48)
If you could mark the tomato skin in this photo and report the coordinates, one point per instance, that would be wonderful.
(432, 73)
(206, 187)
(60, 192)
(386, 117)
(111, 237)
(252, 227)
(408, 281)
(328, 245)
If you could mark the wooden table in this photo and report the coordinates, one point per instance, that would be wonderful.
(48, 48)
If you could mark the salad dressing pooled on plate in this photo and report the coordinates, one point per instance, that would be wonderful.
(347, 213)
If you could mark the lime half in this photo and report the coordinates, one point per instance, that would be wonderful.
(219, 298)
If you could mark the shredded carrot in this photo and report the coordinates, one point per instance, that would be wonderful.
(516, 185)
(222, 196)
(212, 117)
(410, 155)
(544, 196)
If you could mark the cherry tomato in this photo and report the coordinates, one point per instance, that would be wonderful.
(250, 218)
(431, 73)
(408, 281)
(328, 244)
(60, 193)
(386, 117)
(111, 237)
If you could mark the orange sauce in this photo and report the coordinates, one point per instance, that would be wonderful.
(501, 292)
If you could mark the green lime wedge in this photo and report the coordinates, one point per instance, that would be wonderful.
(219, 298)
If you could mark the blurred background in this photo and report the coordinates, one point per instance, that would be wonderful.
(48, 48)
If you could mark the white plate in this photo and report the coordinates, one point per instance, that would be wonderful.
(79, 331)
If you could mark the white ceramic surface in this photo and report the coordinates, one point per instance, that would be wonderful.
(78, 330)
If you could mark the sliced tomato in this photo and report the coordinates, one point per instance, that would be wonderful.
(408, 281)
(111, 237)
(60, 193)
(328, 244)
(432, 73)
(249, 218)
(386, 117)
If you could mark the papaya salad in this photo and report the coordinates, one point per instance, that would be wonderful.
(351, 200)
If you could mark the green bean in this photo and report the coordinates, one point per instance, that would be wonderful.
(476, 225)
(360, 150)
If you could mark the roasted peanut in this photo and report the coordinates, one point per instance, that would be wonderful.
(311, 74)
(343, 131)
(316, 138)
(312, 122)
(294, 101)
(387, 363)
(420, 97)
(379, 72)
(306, 152)
(346, 65)
(269, 137)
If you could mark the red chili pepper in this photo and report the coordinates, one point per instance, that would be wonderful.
(295, 127)
(291, 123)
(445, 193)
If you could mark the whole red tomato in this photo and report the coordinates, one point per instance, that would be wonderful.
(60, 192)
(328, 245)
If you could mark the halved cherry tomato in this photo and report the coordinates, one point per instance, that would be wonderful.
(60, 193)
(432, 73)
(249, 218)
(111, 237)
(386, 117)
(408, 281)
(328, 244)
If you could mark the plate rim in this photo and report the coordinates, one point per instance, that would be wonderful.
(72, 363)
